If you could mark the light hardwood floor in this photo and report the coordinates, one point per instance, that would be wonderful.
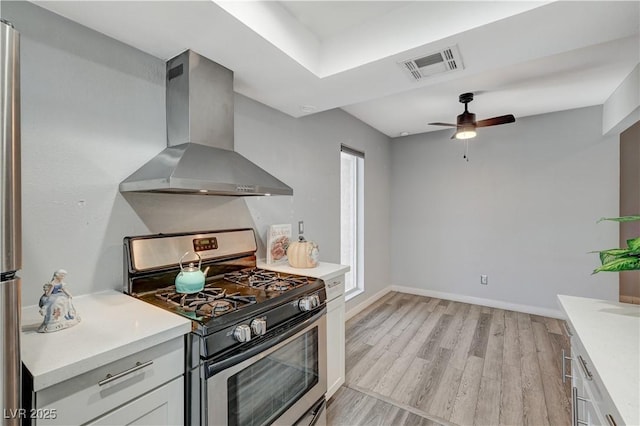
(414, 360)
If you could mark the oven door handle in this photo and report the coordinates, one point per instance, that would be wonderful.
(217, 366)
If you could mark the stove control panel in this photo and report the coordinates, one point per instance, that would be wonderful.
(202, 244)
(242, 333)
(259, 326)
(308, 303)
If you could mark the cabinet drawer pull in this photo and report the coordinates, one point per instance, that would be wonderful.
(583, 364)
(567, 329)
(565, 376)
(610, 420)
(333, 284)
(110, 378)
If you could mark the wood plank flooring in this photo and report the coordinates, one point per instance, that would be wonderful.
(414, 360)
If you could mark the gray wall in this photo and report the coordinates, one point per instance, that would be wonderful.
(93, 112)
(305, 153)
(90, 105)
(523, 210)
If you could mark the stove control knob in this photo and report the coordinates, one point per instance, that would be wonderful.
(259, 326)
(242, 333)
(309, 302)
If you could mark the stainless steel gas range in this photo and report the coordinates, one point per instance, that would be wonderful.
(257, 352)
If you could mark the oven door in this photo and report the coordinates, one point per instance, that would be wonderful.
(278, 381)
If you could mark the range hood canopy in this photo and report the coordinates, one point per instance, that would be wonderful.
(200, 158)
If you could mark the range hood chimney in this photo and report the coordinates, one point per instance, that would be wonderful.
(200, 158)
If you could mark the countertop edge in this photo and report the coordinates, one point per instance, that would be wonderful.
(162, 327)
(53, 377)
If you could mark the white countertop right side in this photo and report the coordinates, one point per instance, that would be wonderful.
(324, 270)
(610, 333)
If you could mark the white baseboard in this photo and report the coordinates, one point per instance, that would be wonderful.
(365, 303)
(500, 304)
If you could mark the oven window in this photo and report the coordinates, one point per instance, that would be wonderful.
(264, 390)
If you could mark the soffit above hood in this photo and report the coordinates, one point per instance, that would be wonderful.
(200, 158)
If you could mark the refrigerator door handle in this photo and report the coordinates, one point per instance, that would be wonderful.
(10, 175)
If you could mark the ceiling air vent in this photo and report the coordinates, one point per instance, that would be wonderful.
(435, 63)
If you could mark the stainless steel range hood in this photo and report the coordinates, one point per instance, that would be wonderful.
(200, 158)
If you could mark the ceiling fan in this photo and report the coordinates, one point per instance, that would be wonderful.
(466, 122)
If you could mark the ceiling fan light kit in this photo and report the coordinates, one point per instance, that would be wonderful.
(465, 133)
(466, 123)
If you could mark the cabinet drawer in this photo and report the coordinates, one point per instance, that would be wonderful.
(160, 407)
(89, 395)
(585, 372)
(335, 287)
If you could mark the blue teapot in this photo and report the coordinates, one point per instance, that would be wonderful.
(190, 279)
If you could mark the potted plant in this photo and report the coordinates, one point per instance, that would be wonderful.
(620, 259)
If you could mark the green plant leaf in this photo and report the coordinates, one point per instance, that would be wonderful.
(607, 256)
(620, 264)
(621, 259)
(634, 244)
(620, 219)
(616, 251)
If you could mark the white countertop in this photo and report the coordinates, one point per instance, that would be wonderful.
(610, 333)
(113, 325)
(324, 270)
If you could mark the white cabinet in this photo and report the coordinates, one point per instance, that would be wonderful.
(143, 388)
(335, 335)
(162, 406)
(605, 345)
(590, 404)
(583, 411)
(335, 346)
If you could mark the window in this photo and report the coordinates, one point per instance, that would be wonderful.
(352, 219)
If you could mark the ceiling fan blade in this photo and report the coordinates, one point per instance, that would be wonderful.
(443, 124)
(503, 119)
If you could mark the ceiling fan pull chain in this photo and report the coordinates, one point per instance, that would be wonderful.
(466, 150)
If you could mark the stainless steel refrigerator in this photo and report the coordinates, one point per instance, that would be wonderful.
(10, 224)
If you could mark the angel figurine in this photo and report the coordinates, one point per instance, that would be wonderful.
(56, 306)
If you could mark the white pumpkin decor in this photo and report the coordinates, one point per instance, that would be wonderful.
(303, 254)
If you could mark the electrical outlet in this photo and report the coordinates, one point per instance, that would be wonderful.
(484, 279)
(301, 227)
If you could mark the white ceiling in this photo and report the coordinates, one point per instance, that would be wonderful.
(519, 57)
(327, 19)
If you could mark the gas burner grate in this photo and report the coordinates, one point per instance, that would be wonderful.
(252, 277)
(215, 307)
(211, 301)
(279, 285)
(285, 283)
(269, 280)
(169, 294)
